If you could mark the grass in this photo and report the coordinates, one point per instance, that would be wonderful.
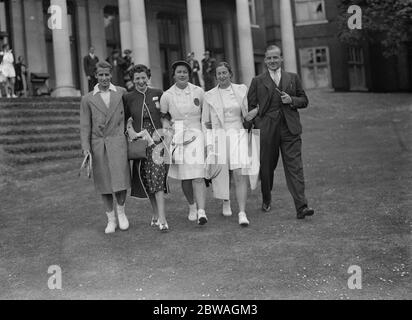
(357, 161)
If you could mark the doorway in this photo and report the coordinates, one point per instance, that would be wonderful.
(170, 45)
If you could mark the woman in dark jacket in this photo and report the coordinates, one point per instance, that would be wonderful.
(143, 113)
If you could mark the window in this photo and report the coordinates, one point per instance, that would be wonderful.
(315, 67)
(170, 44)
(310, 11)
(252, 12)
(3, 23)
(4, 35)
(213, 31)
(356, 69)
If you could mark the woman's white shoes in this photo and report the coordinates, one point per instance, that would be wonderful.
(201, 217)
(192, 212)
(227, 211)
(243, 221)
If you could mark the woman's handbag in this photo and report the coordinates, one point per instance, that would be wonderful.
(136, 149)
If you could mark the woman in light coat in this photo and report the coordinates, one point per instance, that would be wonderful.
(223, 112)
(102, 129)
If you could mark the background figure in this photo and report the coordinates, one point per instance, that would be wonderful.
(128, 81)
(89, 65)
(119, 67)
(208, 68)
(194, 64)
(7, 69)
(279, 95)
(21, 77)
(102, 127)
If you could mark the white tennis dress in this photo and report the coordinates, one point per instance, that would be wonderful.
(6, 66)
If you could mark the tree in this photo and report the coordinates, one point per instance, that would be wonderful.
(388, 22)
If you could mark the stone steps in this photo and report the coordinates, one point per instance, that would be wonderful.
(40, 133)
(32, 148)
(50, 120)
(38, 157)
(41, 112)
(19, 139)
(27, 130)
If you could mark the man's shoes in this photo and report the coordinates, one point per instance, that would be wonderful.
(266, 207)
(243, 221)
(201, 217)
(305, 212)
(111, 222)
(122, 219)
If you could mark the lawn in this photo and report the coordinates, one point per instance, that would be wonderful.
(357, 150)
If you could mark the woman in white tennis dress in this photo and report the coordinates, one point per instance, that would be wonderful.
(181, 109)
(8, 71)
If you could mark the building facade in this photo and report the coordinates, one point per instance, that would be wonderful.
(54, 41)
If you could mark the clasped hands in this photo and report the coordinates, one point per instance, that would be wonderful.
(145, 135)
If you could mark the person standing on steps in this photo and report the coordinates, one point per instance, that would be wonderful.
(89, 65)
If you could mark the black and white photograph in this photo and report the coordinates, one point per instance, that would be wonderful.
(210, 152)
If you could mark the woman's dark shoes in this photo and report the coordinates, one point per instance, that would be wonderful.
(266, 207)
(305, 212)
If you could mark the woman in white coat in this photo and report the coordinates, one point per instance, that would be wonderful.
(223, 113)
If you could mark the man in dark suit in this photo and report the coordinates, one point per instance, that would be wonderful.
(89, 64)
(194, 64)
(209, 70)
(279, 95)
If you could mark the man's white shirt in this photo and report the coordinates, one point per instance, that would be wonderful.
(104, 94)
(276, 75)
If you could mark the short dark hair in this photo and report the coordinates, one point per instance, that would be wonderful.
(273, 47)
(226, 65)
(139, 68)
(181, 63)
(103, 65)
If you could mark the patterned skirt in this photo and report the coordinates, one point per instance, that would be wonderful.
(153, 175)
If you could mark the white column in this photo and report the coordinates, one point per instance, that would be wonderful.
(125, 25)
(288, 36)
(62, 55)
(139, 32)
(247, 61)
(195, 26)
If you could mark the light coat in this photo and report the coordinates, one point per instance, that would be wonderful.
(102, 132)
(213, 111)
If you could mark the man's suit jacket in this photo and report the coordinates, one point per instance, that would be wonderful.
(89, 65)
(262, 91)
